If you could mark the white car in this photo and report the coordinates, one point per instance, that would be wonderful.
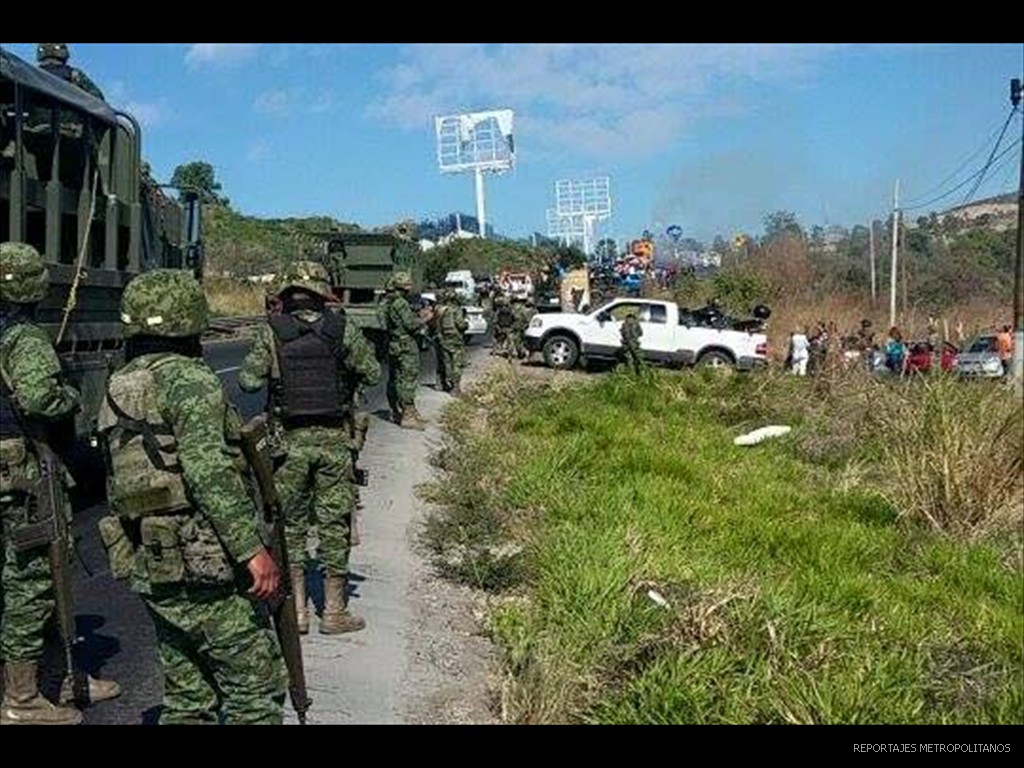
(669, 337)
(980, 358)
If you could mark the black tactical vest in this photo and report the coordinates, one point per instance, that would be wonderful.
(311, 390)
(10, 424)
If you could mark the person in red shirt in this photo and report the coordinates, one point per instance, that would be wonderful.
(1004, 344)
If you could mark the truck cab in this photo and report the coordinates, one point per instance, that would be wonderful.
(463, 283)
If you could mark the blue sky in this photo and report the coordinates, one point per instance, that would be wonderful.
(707, 136)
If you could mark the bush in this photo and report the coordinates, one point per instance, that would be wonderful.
(952, 453)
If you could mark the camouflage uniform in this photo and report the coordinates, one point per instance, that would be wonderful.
(631, 332)
(449, 326)
(402, 326)
(34, 396)
(183, 526)
(53, 57)
(522, 313)
(504, 320)
(315, 480)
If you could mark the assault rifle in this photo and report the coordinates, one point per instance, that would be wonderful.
(48, 526)
(256, 449)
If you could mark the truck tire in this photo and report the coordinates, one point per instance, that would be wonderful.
(717, 360)
(561, 352)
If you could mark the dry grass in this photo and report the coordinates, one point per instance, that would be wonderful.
(957, 325)
(232, 298)
(954, 453)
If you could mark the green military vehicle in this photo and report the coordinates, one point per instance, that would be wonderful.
(360, 264)
(73, 185)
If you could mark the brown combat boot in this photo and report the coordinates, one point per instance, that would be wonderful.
(411, 419)
(336, 618)
(99, 690)
(298, 577)
(23, 704)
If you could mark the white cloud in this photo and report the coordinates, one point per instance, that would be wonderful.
(200, 54)
(598, 99)
(258, 150)
(275, 103)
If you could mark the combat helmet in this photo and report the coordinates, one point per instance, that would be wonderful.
(164, 302)
(24, 278)
(402, 281)
(310, 275)
(57, 51)
(449, 296)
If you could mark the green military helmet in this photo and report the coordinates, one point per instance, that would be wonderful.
(24, 278)
(448, 296)
(501, 299)
(57, 51)
(164, 302)
(310, 275)
(402, 281)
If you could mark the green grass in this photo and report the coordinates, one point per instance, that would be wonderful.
(792, 597)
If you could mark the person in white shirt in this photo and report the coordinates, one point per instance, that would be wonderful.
(800, 351)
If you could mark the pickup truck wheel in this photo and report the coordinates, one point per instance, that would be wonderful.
(718, 361)
(561, 352)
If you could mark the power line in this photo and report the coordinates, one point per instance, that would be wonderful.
(965, 182)
(962, 165)
(988, 163)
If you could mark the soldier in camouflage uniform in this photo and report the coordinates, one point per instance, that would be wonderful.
(33, 400)
(53, 57)
(315, 362)
(504, 321)
(402, 326)
(449, 326)
(183, 528)
(522, 313)
(630, 333)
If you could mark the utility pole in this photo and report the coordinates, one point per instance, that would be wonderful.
(871, 246)
(1018, 280)
(895, 241)
(903, 281)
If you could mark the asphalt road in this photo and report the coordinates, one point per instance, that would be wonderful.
(117, 639)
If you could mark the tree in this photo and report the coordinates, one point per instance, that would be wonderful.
(200, 176)
(781, 223)
(606, 250)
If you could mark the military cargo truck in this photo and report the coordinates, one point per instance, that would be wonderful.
(73, 185)
(360, 263)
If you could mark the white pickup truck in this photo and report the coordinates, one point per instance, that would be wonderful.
(670, 336)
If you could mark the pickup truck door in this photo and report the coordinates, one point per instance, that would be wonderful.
(658, 338)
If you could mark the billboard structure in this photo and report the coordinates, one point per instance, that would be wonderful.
(567, 229)
(477, 142)
(582, 203)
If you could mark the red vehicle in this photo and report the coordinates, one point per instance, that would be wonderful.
(921, 356)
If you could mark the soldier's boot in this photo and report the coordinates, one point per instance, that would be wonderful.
(457, 389)
(411, 419)
(336, 618)
(298, 577)
(99, 690)
(24, 705)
